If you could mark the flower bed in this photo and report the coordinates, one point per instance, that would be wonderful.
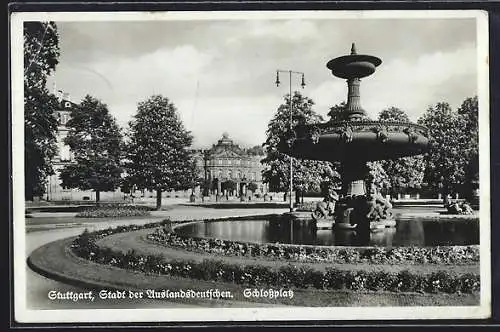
(256, 275)
(106, 211)
(308, 253)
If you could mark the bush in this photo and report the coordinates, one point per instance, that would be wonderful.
(114, 211)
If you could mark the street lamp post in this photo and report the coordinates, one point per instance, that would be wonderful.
(302, 84)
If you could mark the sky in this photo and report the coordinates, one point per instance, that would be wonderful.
(220, 74)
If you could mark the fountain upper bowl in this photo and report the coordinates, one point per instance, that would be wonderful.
(357, 140)
(353, 66)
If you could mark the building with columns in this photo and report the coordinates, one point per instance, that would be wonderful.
(229, 169)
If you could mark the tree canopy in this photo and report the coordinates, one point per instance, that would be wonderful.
(337, 112)
(158, 157)
(406, 172)
(252, 186)
(41, 53)
(255, 150)
(307, 174)
(393, 114)
(95, 141)
(453, 144)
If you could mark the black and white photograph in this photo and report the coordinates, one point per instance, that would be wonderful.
(250, 166)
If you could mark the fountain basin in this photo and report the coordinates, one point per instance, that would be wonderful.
(419, 232)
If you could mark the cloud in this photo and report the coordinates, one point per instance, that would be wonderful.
(245, 119)
(119, 79)
(293, 30)
(431, 78)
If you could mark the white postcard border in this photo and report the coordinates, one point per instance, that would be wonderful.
(22, 314)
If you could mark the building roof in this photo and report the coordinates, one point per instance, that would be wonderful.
(225, 147)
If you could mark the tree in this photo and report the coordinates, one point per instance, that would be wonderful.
(95, 140)
(194, 176)
(393, 114)
(158, 155)
(41, 53)
(206, 187)
(377, 175)
(468, 118)
(445, 160)
(337, 112)
(468, 114)
(307, 174)
(255, 151)
(252, 186)
(406, 172)
(228, 185)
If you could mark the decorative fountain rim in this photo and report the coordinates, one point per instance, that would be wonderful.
(363, 125)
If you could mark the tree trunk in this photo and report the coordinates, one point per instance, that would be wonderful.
(297, 197)
(158, 199)
(28, 194)
(97, 196)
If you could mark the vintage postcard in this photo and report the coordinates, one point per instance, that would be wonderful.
(250, 166)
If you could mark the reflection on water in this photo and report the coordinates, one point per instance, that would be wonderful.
(408, 232)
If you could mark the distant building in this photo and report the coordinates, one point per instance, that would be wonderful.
(227, 162)
(54, 189)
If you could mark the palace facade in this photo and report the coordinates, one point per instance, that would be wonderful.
(230, 169)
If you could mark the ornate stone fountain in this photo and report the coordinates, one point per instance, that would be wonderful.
(353, 140)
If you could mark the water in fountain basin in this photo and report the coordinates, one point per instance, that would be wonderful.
(418, 231)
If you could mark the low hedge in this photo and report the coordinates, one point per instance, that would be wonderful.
(307, 206)
(107, 211)
(256, 275)
(342, 255)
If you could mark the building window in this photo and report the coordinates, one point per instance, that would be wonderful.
(229, 161)
(64, 118)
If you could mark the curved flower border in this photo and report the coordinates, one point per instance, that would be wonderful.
(458, 255)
